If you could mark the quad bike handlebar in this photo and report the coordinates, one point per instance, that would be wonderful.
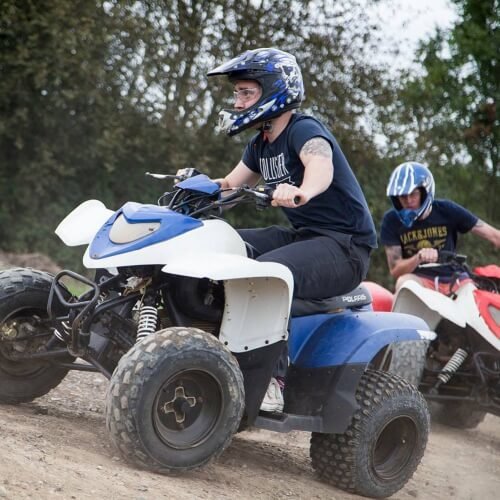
(489, 281)
(447, 258)
(196, 203)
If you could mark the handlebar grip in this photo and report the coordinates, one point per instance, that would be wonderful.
(269, 191)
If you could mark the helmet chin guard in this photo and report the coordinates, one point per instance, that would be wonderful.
(279, 77)
(228, 117)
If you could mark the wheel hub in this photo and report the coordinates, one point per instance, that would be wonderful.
(179, 405)
(187, 408)
(394, 447)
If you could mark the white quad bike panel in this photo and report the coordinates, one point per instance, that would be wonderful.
(258, 294)
(432, 306)
(80, 226)
(258, 297)
(427, 304)
(214, 236)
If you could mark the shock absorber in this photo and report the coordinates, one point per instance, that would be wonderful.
(148, 319)
(451, 367)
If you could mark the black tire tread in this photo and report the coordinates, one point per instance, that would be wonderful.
(142, 359)
(13, 283)
(18, 280)
(408, 360)
(333, 456)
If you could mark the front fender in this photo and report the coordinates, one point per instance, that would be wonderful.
(258, 296)
(81, 225)
(430, 305)
(350, 338)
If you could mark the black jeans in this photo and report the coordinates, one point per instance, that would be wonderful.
(323, 263)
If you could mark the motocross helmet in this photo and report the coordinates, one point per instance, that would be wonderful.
(404, 180)
(279, 77)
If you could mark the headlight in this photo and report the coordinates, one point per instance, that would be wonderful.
(124, 232)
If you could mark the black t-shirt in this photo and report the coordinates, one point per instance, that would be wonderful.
(341, 208)
(439, 230)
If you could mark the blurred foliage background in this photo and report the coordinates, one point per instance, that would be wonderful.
(94, 94)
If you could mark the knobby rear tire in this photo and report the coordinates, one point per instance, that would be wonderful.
(408, 360)
(383, 445)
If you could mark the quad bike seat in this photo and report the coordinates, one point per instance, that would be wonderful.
(358, 297)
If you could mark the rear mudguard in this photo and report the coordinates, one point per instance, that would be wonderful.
(328, 355)
(350, 337)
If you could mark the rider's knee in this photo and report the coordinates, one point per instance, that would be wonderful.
(406, 277)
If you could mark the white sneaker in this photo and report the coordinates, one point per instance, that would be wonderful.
(273, 400)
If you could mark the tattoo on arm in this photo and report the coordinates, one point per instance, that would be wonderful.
(394, 255)
(317, 146)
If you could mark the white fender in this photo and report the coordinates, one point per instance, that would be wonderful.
(80, 226)
(258, 297)
(427, 304)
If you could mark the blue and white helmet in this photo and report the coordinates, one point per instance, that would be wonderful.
(278, 75)
(404, 180)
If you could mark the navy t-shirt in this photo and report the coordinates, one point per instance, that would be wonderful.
(439, 230)
(341, 208)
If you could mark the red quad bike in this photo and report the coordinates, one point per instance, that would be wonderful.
(459, 372)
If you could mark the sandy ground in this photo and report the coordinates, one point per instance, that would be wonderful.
(58, 448)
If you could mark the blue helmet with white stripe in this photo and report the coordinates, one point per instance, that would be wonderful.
(403, 181)
(280, 79)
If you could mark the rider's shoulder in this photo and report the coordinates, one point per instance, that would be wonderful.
(446, 204)
(301, 121)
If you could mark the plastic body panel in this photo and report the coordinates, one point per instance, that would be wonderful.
(347, 337)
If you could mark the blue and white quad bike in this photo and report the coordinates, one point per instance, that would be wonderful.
(188, 329)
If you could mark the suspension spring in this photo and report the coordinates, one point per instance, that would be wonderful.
(452, 366)
(148, 319)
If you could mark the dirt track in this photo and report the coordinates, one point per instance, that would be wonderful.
(58, 448)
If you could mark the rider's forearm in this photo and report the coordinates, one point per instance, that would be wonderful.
(405, 266)
(318, 176)
(239, 176)
(487, 232)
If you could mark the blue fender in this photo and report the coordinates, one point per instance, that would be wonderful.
(348, 337)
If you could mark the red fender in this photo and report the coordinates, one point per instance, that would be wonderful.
(491, 271)
(381, 297)
(488, 304)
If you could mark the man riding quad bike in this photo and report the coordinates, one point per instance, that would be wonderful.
(188, 330)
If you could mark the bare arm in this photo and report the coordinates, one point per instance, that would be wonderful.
(316, 156)
(399, 266)
(240, 175)
(487, 232)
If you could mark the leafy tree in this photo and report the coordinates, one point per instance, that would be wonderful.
(93, 94)
(449, 114)
(446, 115)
